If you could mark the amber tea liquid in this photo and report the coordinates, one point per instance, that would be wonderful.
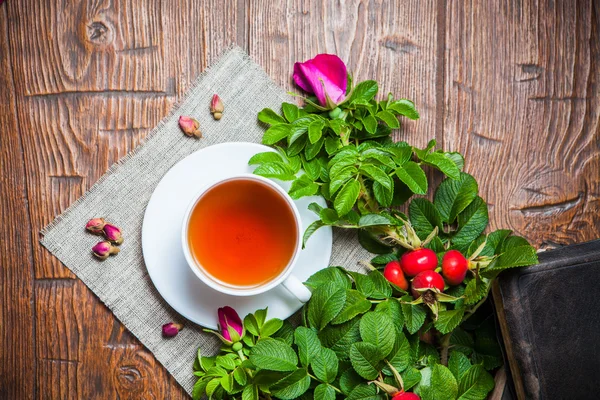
(242, 232)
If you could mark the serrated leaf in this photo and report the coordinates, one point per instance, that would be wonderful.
(227, 383)
(424, 217)
(411, 376)
(372, 220)
(349, 380)
(269, 116)
(325, 304)
(308, 344)
(399, 357)
(276, 133)
(414, 316)
(365, 358)
(356, 303)
(199, 389)
(457, 159)
(303, 186)
(413, 176)
(225, 362)
(454, 195)
(329, 275)
(276, 170)
(391, 307)
(325, 365)
(443, 385)
(390, 119)
(285, 333)
(332, 145)
(270, 327)
(448, 320)
(515, 257)
(346, 198)
(340, 337)
(312, 228)
(251, 324)
(292, 386)
(324, 392)
(379, 155)
(290, 111)
(250, 393)
(404, 107)
(339, 178)
(458, 364)
(475, 384)
(476, 289)
(315, 131)
(378, 329)
(365, 90)
(365, 392)
(444, 164)
(240, 376)
(370, 124)
(382, 194)
(312, 168)
(471, 223)
(264, 157)
(274, 355)
(377, 175)
(212, 386)
(312, 149)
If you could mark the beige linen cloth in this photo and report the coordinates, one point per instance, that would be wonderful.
(121, 195)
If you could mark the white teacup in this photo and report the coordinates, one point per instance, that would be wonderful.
(285, 277)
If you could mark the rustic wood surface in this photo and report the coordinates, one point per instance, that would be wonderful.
(514, 85)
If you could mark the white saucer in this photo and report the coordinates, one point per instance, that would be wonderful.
(162, 248)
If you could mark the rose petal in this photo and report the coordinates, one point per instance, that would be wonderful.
(326, 73)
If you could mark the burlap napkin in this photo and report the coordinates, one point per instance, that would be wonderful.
(121, 195)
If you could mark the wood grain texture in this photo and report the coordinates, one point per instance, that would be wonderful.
(514, 86)
(521, 94)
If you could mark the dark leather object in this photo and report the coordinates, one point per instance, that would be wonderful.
(550, 320)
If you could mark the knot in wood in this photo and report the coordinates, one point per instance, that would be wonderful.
(99, 33)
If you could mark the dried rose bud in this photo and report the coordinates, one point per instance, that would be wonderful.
(171, 329)
(103, 249)
(95, 225)
(216, 107)
(113, 234)
(190, 126)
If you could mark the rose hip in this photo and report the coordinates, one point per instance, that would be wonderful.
(427, 279)
(393, 273)
(418, 260)
(454, 267)
(406, 396)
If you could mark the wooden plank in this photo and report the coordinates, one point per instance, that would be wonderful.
(17, 368)
(394, 43)
(521, 94)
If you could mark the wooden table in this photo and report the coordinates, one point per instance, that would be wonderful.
(513, 85)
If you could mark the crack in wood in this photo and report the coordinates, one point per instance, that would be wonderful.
(102, 93)
(399, 44)
(135, 50)
(485, 138)
(552, 208)
(58, 360)
(555, 98)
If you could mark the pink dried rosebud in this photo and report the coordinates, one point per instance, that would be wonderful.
(104, 249)
(190, 126)
(113, 233)
(216, 107)
(171, 329)
(95, 225)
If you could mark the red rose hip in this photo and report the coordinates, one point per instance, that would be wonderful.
(418, 260)
(429, 280)
(393, 273)
(406, 396)
(454, 267)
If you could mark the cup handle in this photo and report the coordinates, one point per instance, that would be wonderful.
(297, 288)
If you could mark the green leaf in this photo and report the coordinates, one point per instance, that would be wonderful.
(339, 178)
(448, 320)
(250, 393)
(454, 195)
(370, 124)
(313, 149)
(347, 196)
(458, 364)
(374, 154)
(475, 384)
(212, 386)
(298, 130)
(270, 327)
(476, 289)
(324, 392)
(365, 358)
(312, 228)
(424, 217)
(457, 159)
(265, 157)
(515, 257)
(371, 242)
(276, 170)
(332, 144)
(443, 385)
(315, 130)
(308, 344)
(199, 389)
(372, 220)
(391, 307)
(399, 357)
(336, 125)
(340, 337)
(365, 392)
(227, 382)
(389, 118)
(269, 116)
(312, 168)
(251, 324)
(303, 186)
(292, 386)
(276, 133)
(404, 107)
(413, 176)
(326, 303)
(378, 329)
(382, 194)
(329, 275)
(414, 316)
(349, 380)
(462, 341)
(356, 303)
(325, 365)
(240, 376)
(365, 90)
(377, 175)
(296, 147)
(444, 164)
(471, 223)
(290, 111)
(381, 286)
(411, 376)
(274, 355)
(225, 362)
(285, 333)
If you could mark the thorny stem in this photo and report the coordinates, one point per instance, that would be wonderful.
(445, 342)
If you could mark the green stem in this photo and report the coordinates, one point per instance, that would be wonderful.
(445, 342)
(472, 310)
